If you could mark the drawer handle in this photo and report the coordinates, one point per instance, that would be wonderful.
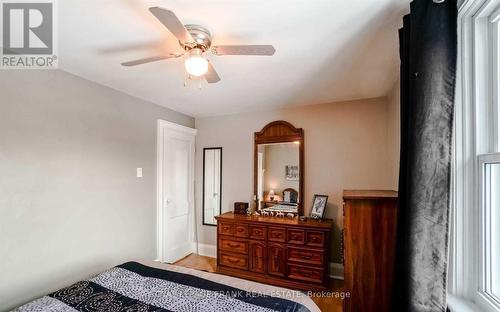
(257, 232)
(225, 228)
(306, 256)
(241, 230)
(296, 236)
(314, 239)
(276, 235)
(233, 260)
(233, 245)
(303, 273)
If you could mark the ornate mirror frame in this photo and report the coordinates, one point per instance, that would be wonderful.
(281, 131)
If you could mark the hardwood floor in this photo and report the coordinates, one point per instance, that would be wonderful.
(326, 302)
(197, 262)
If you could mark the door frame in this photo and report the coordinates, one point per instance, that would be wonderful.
(163, 125)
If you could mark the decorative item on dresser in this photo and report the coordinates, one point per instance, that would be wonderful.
(241, 208)
(370, 219)
(319, 206)
(284, 252)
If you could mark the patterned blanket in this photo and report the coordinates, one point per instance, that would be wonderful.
(135, 287)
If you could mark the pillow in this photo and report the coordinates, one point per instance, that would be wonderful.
(290, 196)
(287, 196)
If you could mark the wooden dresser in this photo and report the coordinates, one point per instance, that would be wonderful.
(370, 219)
(283, 252)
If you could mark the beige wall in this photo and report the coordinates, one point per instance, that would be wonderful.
(70, 203)
(347, 146)
(394, 133)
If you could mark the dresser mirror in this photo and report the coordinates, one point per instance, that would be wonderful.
(212, 184)
(279, 169)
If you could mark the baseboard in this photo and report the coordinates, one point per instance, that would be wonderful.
(336, 270)
(207, 250)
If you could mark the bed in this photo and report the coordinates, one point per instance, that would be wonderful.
(151, 286)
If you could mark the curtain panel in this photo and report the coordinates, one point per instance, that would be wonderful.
(428, 50)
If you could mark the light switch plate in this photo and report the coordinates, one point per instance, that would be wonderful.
(139, 172)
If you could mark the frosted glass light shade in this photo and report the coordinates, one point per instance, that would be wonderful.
(196, 65)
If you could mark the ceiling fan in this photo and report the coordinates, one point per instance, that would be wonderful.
(196, 40)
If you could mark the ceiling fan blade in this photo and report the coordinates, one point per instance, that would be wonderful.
(244, 50)
(211, 76)
(173, 24)
(150, 60)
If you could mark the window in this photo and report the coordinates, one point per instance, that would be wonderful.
(490, 226)
(488, 172)
(475, 244)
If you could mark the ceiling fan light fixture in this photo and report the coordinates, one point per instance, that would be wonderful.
(196, 40)
(196, 65)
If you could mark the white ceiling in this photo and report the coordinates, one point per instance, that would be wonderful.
(326, 50)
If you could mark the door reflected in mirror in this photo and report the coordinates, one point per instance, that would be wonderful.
(212, 184)
(278, 177)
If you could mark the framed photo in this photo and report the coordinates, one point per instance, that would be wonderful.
(292, 172)
(319, 206)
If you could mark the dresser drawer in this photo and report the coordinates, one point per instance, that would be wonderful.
(296, 236)
(276, 234)
(234, 261)
(241, 230)
(315, 239)
(233, 245)
(226, 228)
(308, 256)
(257, 232)
(304, 273)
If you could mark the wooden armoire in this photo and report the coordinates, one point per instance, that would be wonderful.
(370, 220)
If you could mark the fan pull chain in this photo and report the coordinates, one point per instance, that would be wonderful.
(190, 78)
(186, 79)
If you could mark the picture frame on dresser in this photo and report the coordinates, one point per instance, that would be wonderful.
(318, 206)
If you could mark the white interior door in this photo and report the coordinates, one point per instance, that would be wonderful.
(175, 191)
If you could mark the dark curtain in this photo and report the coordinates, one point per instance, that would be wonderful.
(428, 49)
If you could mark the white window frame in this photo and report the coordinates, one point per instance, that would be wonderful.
(494, 21)
(484, 289)
(476, 134)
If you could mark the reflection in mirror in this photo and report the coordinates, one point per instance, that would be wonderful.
(212, 184)
(278, 177)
